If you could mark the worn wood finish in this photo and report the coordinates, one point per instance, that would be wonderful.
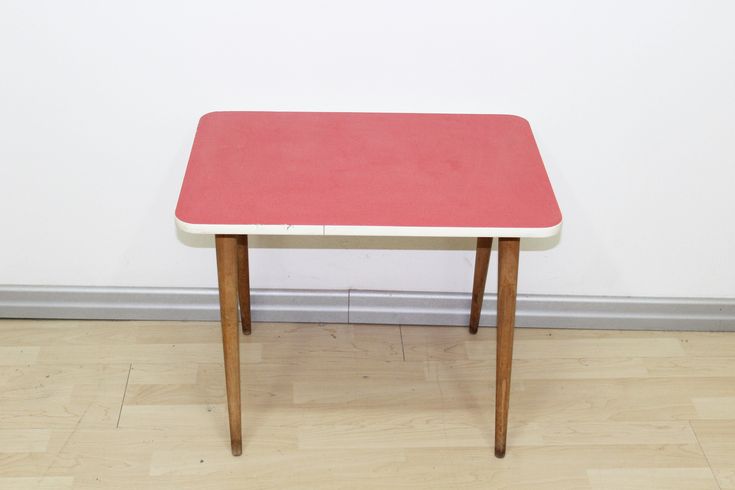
(508, 252)
(243, 282)
(227, 273)
(482, 259)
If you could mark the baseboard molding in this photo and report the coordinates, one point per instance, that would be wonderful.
(357, 306)
(140, 303)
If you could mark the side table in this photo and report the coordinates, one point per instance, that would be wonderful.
(366, 174)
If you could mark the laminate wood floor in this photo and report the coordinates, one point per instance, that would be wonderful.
(135, 405)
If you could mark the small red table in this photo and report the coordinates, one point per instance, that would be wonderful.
(319, 173)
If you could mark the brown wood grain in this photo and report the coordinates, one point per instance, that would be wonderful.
(243, 283)
(226, 246)
(508, 252)
(482, 259)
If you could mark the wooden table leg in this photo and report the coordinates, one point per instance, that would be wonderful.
(482, 259)
(508, 252)
(243, 282)
(227, 274)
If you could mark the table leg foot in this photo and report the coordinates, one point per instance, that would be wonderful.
(482, 259)
(236, 447)
(508, 253)
(243, 282)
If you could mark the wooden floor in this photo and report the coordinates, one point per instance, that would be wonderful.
(132, 405)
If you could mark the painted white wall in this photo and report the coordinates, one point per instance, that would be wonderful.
(631, 103)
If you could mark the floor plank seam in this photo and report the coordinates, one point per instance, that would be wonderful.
(125, 392)
(706, 458)
(66, 443)
(403, 349)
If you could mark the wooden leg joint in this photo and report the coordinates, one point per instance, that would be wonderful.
(243, 283)
(482, 259)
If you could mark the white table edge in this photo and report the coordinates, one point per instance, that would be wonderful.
(387, 231)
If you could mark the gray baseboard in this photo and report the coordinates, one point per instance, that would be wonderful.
(356, 306)
(140, 303)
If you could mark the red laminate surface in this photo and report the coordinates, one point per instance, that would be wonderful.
(366, 169)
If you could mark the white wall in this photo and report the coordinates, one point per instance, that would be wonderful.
(632, 104)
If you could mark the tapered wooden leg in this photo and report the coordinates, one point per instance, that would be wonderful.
(482, 259)
(243, 282)
(508, 251)
(227, 274)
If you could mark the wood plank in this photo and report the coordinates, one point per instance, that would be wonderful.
(37, 483)
(24, 440)
(647, 478)
(566, 368)
(170, 353)
(338, 407)
(717, 438)
(175, 373)
(716, 407)
(22, 354)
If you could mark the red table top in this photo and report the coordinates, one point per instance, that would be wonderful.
(366, 174)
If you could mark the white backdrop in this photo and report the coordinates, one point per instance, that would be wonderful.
(631, 102)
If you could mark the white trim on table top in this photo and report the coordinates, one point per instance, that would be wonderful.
(387, 231)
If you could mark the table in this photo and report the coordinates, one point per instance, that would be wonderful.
(378, 174)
